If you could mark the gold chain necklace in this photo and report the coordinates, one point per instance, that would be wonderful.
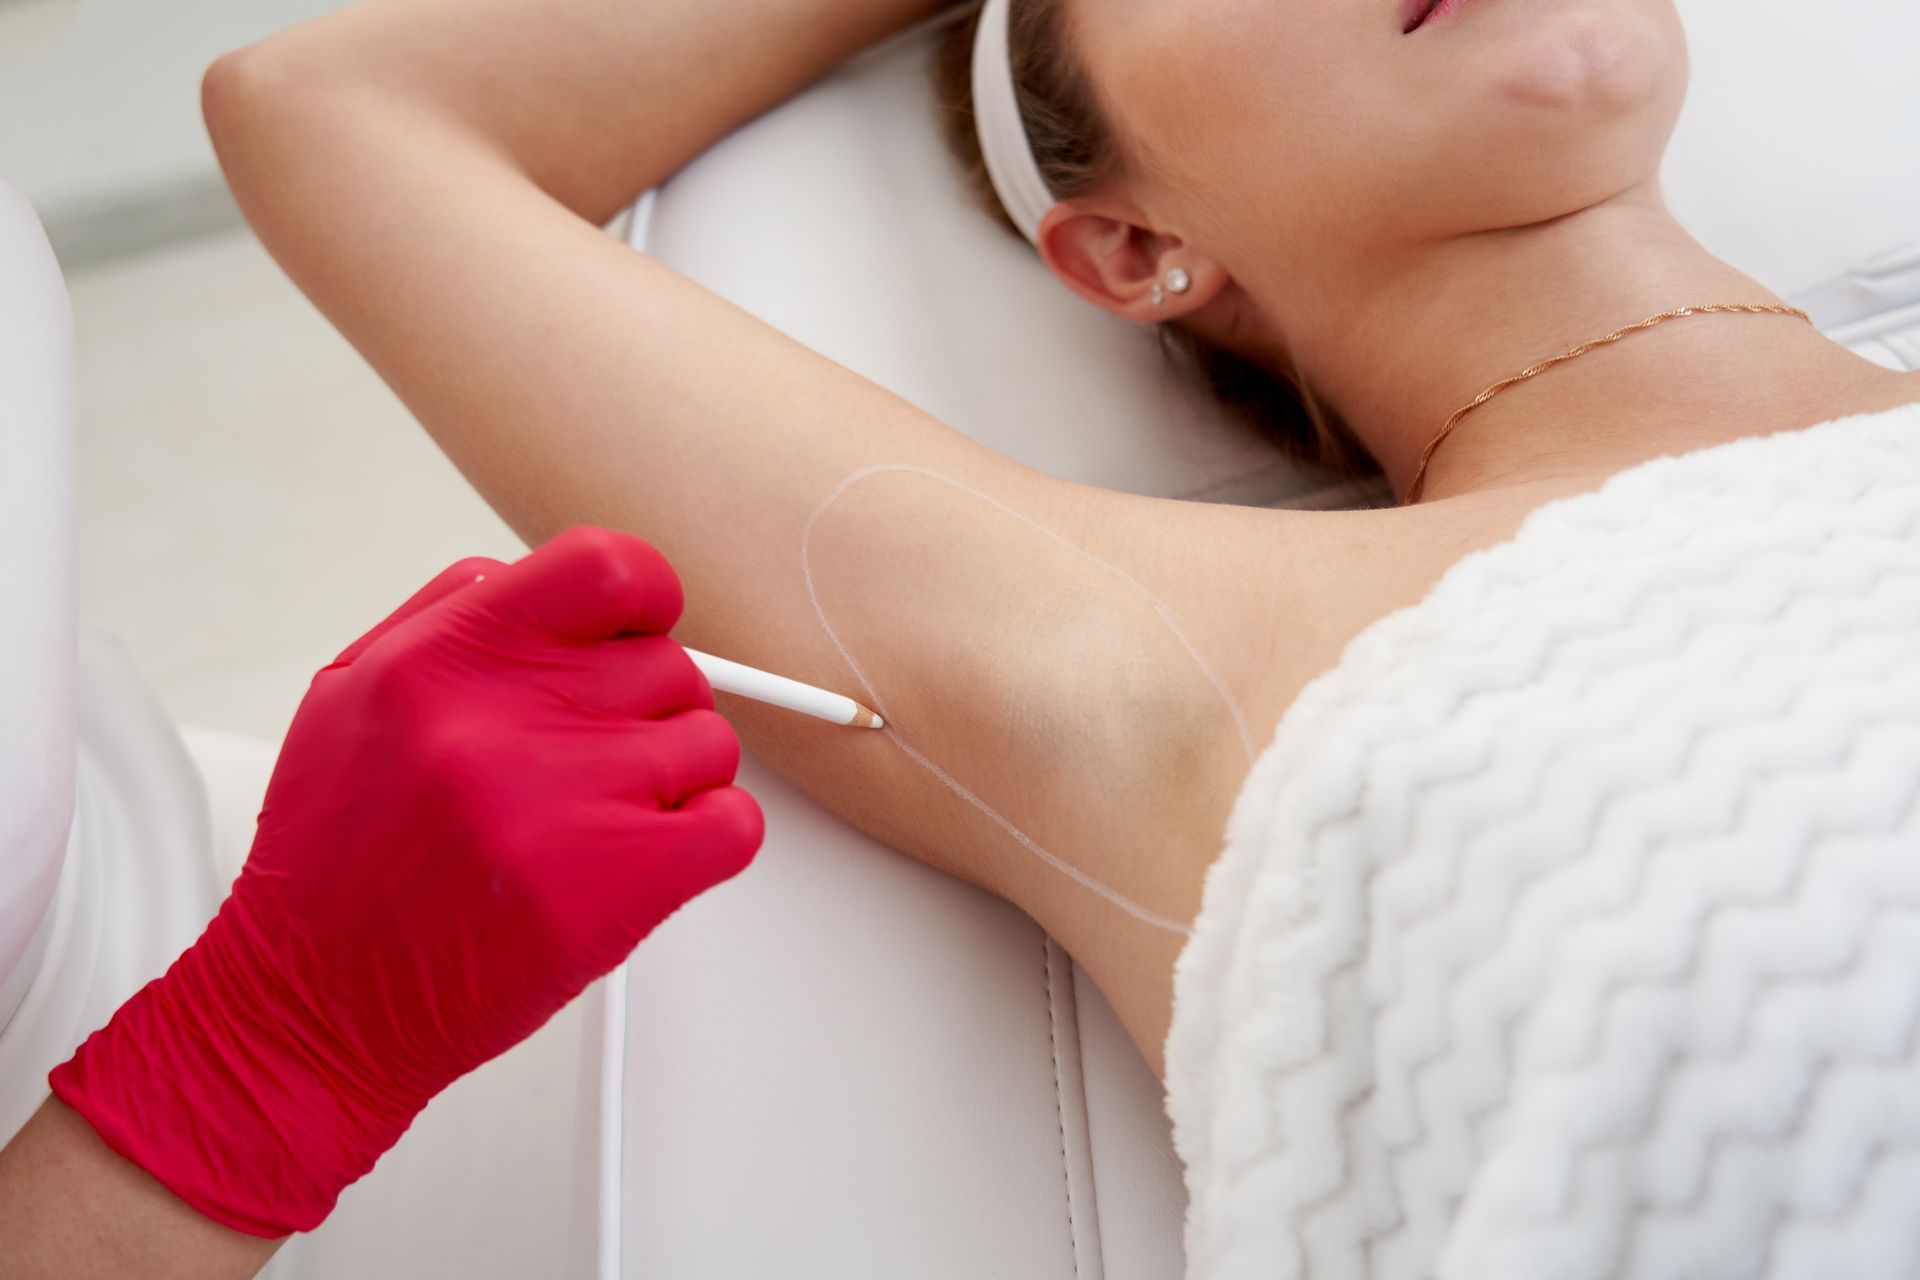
(1419, 476)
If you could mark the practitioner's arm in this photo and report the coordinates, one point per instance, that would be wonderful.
(433, 172)
(482, 805)
(72, 1207)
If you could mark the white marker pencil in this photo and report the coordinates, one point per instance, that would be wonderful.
(763, 686)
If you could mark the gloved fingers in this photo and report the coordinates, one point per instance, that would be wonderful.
(587, 584)
(658, 860)
(454, 578)
(729, 829)
(645, 677)
(674, 758)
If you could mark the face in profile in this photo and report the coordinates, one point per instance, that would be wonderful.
(1330, 132)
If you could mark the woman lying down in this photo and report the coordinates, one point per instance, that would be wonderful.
(1514, 881)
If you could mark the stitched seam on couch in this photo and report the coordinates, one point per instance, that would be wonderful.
(1059, 1102)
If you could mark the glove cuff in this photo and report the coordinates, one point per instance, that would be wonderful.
(236, 1104)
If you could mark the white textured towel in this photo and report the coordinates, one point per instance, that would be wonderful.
(1570, 925)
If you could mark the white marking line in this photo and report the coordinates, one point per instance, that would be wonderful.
(946, 779)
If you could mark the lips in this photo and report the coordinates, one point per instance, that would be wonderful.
(1415, 12)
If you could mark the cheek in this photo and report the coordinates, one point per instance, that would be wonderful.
(1272, 144)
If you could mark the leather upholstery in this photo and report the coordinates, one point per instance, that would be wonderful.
(1792, 155)
(899, 1056)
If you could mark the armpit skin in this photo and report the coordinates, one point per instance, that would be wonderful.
(1048, 688)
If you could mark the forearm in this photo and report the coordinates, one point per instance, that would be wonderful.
(596, 100)
(73, 1208)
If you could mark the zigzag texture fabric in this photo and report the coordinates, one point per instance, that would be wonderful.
(1570, 925)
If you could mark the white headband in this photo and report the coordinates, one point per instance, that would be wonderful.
(996, 118)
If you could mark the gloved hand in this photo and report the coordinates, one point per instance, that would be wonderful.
(482, 806)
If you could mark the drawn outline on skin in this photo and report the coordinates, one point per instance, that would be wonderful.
(946, 779)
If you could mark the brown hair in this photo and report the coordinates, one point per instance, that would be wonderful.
(1077, 152)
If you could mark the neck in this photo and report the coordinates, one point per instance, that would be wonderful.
(1418, 339)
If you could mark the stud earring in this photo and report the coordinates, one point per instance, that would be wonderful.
(1175, 281)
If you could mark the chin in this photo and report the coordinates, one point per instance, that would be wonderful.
(1587, 60)
(1577, 105)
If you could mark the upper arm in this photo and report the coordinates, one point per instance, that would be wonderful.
(1068, 666)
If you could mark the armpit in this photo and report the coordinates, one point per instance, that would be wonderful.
(1048, 688)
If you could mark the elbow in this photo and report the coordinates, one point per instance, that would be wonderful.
(220, 88)
(230, 91)
(256, 101)
(238, 95)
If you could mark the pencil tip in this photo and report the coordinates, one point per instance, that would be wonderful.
(866, 718)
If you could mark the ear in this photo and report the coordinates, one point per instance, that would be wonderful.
(1097, 248)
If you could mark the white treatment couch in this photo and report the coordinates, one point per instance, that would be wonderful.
(847, 1065)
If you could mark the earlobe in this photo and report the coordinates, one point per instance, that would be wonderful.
(1174, 280)
(1124, 268)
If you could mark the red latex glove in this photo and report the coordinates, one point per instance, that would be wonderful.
(482, 806)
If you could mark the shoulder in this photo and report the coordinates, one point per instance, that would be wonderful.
(1272, 596)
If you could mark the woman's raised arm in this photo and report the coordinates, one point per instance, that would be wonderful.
(433, 175)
